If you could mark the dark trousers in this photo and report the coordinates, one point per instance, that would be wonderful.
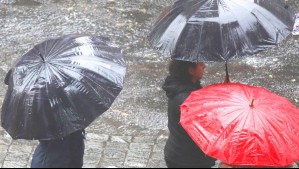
(60, 153)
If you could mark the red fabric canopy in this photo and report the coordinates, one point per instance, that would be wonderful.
(243, 125)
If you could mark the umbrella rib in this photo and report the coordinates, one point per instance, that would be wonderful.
(201, 32)
(98, 60)
(73, 70)
(277, 125)
(235, 119)
(58, 50)
(272, 23)
(94, 90)
(25, 93)
(30, 75)
(268, 129)
(221, 34)
(175, 47)
(50, 54)
(242, 29)
(274, 134)
(212, 99)
(50, 97)
(200, 35)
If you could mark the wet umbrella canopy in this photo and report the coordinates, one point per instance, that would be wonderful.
(220, 30)
(61, 86)
(243, 125)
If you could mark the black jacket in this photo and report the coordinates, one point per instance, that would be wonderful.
(180, 148)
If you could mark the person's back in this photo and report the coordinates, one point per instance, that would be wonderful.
(67, 152)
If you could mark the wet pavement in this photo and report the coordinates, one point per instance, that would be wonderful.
(132, 133)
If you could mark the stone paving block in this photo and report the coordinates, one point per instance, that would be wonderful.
(97, 137)
(117, 146)
(156, 164)
(144, 139)
(4, 141)
(90, 165)
(114, 154)
(16, 160)
(162, 138)
(157, 156)
(5, 136)
(141, 146)
(91, 152)
(2, 157)
(3, 154)
(24, 142)
(113, 161)
(135, 163)
(159, 147)
(14, 164)
(121, 139)
(92, 147)
(92, 157)
(17, 157)
(112, 164)
(29, 160)
(138, 155)
(15, 148)
(3, 148)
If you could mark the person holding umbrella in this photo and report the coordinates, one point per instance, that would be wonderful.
(66, 152)
(56, 90)
(216, 31)
(180, 151)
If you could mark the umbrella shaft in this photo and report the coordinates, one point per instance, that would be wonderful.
(226, 78)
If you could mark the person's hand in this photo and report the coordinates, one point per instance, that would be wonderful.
(224, 165)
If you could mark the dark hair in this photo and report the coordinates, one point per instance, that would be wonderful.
(180, 68)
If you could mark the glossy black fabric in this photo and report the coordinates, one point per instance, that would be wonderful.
(67, 152)
(61, 86)
(180, 150)
(220, 30)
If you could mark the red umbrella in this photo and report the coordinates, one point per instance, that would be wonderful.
(243, 125)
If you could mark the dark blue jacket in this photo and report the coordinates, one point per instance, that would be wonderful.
(60, 153)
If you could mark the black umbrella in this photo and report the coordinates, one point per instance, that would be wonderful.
(62, 85)
(220, 30)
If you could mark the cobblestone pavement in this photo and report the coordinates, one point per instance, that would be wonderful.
(101, 151)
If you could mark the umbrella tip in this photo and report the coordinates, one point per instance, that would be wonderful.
(252, 101)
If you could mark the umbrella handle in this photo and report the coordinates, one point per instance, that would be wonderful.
(226, 78)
